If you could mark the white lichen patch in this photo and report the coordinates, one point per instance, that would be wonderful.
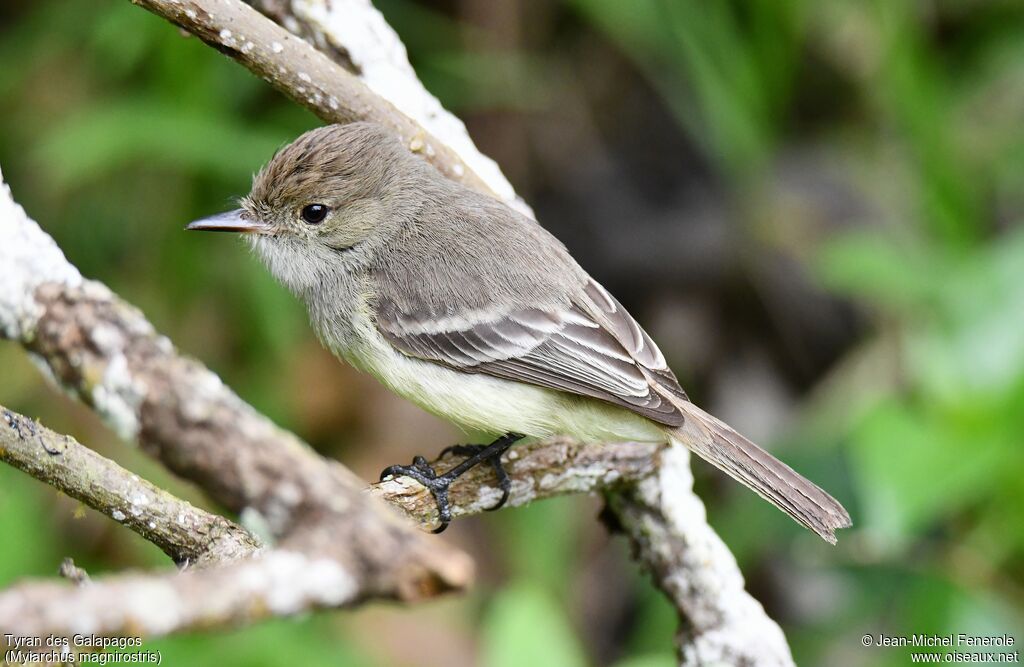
(276, 47)
(226, 38)
(118, 515)
(706, 574)
(289, 582)
(487, 496)
(28, 258)
(155, 607)
(118, 395)
(106, 338)
(204, 398)
(164, 344)
(137, 501)
(305, 77)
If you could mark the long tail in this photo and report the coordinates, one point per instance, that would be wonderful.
(714, 441)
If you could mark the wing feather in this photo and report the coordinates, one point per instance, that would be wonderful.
(592, 348)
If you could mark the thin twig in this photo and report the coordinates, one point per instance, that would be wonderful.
(306, 75)
(76, 575)
(356, 36)
(279, 582)
(185, 533)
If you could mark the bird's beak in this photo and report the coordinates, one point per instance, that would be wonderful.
(229, 221)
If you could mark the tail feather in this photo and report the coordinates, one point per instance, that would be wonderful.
(716, 442)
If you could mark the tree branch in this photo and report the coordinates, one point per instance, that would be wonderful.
(668, 529)
(279, 582)
(649, 489)
(323, 86)
(538, 470)
(185, 533)
(356, 36)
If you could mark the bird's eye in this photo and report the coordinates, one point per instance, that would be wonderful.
(314, 214)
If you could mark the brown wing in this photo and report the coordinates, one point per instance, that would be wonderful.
(592, 348)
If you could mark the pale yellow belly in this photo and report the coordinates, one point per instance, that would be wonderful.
(495, 406)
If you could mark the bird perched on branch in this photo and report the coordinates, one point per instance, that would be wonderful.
(477, 314)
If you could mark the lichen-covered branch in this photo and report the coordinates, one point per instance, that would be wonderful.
(189, 535)
(358, 37)
(538, 470)
(279, 582)
(649, 489)
(309, 77)
(669, 533)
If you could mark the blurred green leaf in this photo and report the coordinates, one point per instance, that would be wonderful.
(725, 79)
(887, 272)
(911, 470)
(120, 134)
(548, 561)
(526, 626)
(655, 660)
(27, 547)
(308, 641)
(979, 349)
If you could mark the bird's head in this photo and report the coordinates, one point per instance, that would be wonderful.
(325, 201)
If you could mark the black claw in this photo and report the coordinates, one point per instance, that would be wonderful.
(462, 450)
(504, 483)
(444, 509)
(451, 449)
(424, 473)
(390, 471)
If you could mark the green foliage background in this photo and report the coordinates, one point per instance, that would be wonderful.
(115, 131)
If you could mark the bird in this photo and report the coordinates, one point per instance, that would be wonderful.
(476, 313)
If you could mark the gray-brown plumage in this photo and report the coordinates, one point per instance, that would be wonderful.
(476, 312)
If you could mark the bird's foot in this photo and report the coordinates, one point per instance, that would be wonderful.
(438, 485)
(504, 483)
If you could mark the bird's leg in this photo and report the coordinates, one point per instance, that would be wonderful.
(438, 485)
(469, 451)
